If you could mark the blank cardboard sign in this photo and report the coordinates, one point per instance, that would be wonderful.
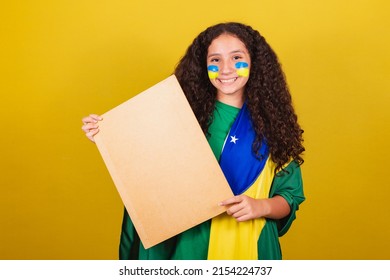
(161, 164)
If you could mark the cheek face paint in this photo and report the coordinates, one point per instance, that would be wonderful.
(212, 71)
(242, 69)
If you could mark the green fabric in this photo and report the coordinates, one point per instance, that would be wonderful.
(223, 118)
(288, 184)
(193, 243)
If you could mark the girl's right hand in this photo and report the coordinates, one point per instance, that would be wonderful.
(90, 126)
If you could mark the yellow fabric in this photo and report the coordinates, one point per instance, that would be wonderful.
(232, 240)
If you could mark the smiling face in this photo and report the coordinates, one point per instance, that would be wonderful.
(228, 64)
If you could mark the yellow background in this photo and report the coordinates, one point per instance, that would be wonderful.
(61, 60)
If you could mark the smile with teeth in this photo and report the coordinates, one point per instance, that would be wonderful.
(226, 81)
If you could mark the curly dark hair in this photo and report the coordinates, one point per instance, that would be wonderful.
(266, 92)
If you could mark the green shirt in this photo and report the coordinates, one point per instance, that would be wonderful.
(223, 117)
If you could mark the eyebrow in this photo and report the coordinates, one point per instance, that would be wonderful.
(232, 52)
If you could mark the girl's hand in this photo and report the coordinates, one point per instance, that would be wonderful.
(90, 125)
(244, 208)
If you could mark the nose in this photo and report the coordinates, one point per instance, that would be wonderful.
(227, 68)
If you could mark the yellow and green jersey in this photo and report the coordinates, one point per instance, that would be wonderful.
(223, 237)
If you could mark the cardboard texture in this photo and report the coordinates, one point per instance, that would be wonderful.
(161, 164)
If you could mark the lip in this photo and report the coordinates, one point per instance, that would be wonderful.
(228, 81)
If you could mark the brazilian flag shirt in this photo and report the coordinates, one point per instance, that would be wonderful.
(223, 237)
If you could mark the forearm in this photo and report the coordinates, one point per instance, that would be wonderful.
(275, 208)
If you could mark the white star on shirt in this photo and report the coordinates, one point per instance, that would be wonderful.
(233, 139)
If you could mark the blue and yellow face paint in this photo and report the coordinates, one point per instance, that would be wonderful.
(212, 71)
(242, 69)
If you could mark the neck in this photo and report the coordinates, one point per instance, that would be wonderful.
(232, 100)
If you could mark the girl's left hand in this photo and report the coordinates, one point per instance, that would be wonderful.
(244, 208)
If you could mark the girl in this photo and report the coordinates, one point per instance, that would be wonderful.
(237, 90)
